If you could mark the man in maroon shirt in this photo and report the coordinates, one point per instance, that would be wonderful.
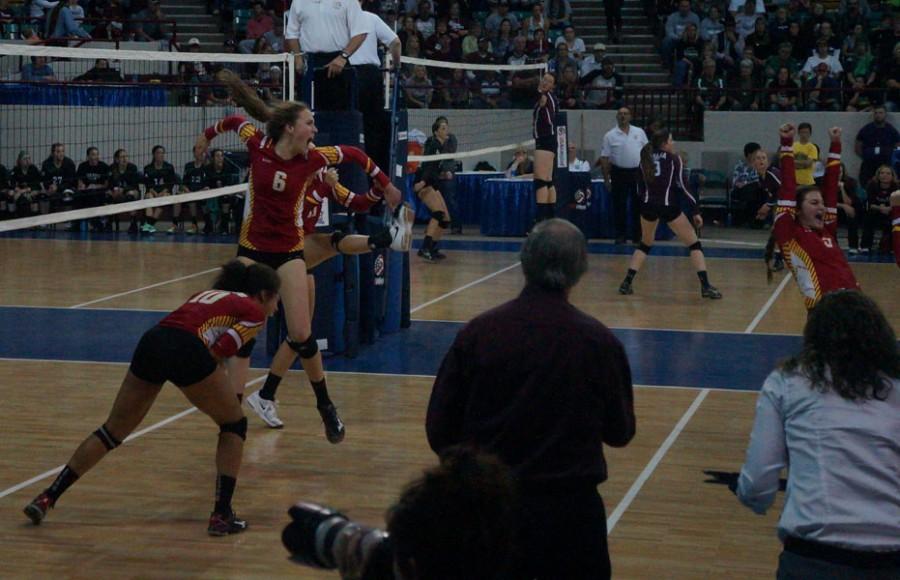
(260, 25)
(543, 386)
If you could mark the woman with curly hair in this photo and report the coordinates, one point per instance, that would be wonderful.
(833, 410)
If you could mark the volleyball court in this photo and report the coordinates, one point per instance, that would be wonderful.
(73, 306)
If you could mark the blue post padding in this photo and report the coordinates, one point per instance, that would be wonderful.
(393, 314)
(367, 317)
(405, 315)
(349, 329)
(330, 314)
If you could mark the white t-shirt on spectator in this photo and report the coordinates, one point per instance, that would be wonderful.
(324, 25)
(576, 47)
(834, 64)
(738, 6)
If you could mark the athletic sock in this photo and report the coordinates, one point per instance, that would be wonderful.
(629, 277)
(62, 482)
(704, 279)
(270, 387)
(240, 397)
(321, 391)
(224, 492)
(427, 243)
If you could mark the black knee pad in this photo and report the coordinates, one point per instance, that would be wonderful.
(246, 350)
(306, 349)
(336, 237)
(644, 248)
(239, 428)
(443, 224)
(696, 246)
(106, 438)
(438, 216)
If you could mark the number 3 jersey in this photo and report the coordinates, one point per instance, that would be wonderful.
(223, 320)
(273, 214)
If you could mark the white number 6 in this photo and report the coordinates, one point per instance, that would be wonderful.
(280, 180)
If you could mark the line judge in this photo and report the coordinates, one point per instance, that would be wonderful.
(326, 33)
(620, 159)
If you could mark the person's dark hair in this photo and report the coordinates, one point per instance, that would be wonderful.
(804, 125)
(457, 520)
(657, 140)
(848, 347)
(91, 148)
(554, 256)
(437, 123)
(276, 115)
(157, 148)
(751, 148)
(54, 146)
(252, 280)
(117, 154)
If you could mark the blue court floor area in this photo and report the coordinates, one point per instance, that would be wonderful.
(658, 357)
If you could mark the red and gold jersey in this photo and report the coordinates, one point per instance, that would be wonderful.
(320, 191)
(223, 320)
(273, 212)
(895, 231)
(813, 256)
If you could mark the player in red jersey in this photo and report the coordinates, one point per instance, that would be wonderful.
(806, 225)
(283, 167)
(895, 224)
(187, 348)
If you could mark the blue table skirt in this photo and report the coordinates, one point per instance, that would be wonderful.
(82, 95)
(508, 209)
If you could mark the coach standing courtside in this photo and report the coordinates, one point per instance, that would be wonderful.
(620, 159)
(370, 80)
(543, 386)
(326, 33)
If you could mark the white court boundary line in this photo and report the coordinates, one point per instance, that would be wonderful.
(164, 422)
(765, 309)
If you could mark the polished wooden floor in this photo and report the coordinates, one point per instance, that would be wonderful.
(142, 512)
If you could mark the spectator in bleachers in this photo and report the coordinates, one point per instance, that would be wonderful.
(801, 46)
(878, 209)
(492, 22)
(502, 41)
(101, 72)
(850, 208)
(125, 185)
(567, 91)
(826, 33)
(31, 36)
(483, 55)
(743, 95)
(725, 45)
(518, 55)
(888, 76)
(854, 37)
(409, 30)
(146, 25)
(418, 89)
(457, 92)
(687, 56)
(7, 16)
(539, 47)
(63, 21)
(884, 41)
(37, 11)
(604, 88)
(761, 43)
(537, 21)
(25, 181)
(676, 24)
(38, 70)
(259, 25)
(559, 12)
(822, 90)
(736, 6)
(523, 84)
(846, 6)
(822, 55)
(561, 61)
(425, 19)
(781, 59)
(779, 26)
(712, 25)
(745, 21)
(469, 44)
(875, 143)
(575, 43)
(455, 22)
(111, 20)
(861, 75)
(593, 61)
(59, 173)
(490, 91)
(851, 17)
(783, 92)
(711, 95)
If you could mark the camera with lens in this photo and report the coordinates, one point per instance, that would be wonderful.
(324, 538)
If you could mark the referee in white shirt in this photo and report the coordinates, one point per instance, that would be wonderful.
(327, 32)
(370, 80)
(620, 159)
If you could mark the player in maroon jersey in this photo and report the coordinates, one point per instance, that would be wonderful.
(806, 224)
(283, 166)
(661, 194)
(544, 132)
(188, 347)
(895, 225)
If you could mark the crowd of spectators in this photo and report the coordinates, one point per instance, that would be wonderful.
(782, 56)
(58, 184)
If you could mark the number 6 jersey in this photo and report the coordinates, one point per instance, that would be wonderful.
(273, 213)
(223, 320)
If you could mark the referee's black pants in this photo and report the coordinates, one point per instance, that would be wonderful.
(330, 94)
(376, 123)
(624, 188)
(563, 535)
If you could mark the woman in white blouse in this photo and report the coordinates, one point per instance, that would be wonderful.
(832, 415)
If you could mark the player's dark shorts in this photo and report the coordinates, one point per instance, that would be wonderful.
(431, 180)
(171, 354)
(273, 260)
(547, 143)
(667, 213)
